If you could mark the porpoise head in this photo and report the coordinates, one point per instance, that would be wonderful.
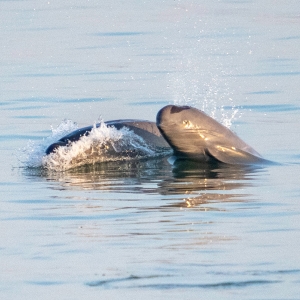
(181, 126)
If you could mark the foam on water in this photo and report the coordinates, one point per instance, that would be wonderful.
(32, 155)
(104, 143)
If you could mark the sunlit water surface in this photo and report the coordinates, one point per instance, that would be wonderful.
(147, 228)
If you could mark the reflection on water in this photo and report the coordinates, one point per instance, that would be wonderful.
(194, 184)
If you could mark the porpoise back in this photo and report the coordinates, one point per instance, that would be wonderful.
(145, 129)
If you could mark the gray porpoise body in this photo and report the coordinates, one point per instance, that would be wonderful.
(145, 129)
(193, 134)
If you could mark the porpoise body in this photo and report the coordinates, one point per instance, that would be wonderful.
(193, 134)
(145, 129)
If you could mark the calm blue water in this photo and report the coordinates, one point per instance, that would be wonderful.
(145, 228)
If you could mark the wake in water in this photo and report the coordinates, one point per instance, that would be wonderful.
(102, 144)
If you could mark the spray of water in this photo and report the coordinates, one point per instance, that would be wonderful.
(203, 69)
(31, 155)
(208, 90)
(101, 145)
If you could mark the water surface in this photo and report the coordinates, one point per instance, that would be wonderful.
(120, 230)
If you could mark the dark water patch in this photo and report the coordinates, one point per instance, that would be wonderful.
(277, 229)
(55, 100)
(125, 279)
(31, 117)
(113, 283)
(42, 132)
(263, 93)
(267, 107)
(45, 283)
(256, 272)
(36, 99)
(41, 258)
(274, 272)
(221, 285)
(73, 251)
(65, 218)
(54, 245)
(9, 184)
(121, 33)
(29, 107)
(284, 64)
(41, 201)
(288, 38)
(270, 74)
(74, 74)
(107, 73)
(39, 75)
(4, 103)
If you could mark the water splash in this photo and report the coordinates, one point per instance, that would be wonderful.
(203, 75)
(104, 143)
(32, 154)
(207, 90)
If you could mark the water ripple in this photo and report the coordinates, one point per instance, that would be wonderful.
(110, 283)
(121, 33)
(225, 285)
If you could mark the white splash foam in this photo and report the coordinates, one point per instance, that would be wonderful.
(102, 144)
(32, 155)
